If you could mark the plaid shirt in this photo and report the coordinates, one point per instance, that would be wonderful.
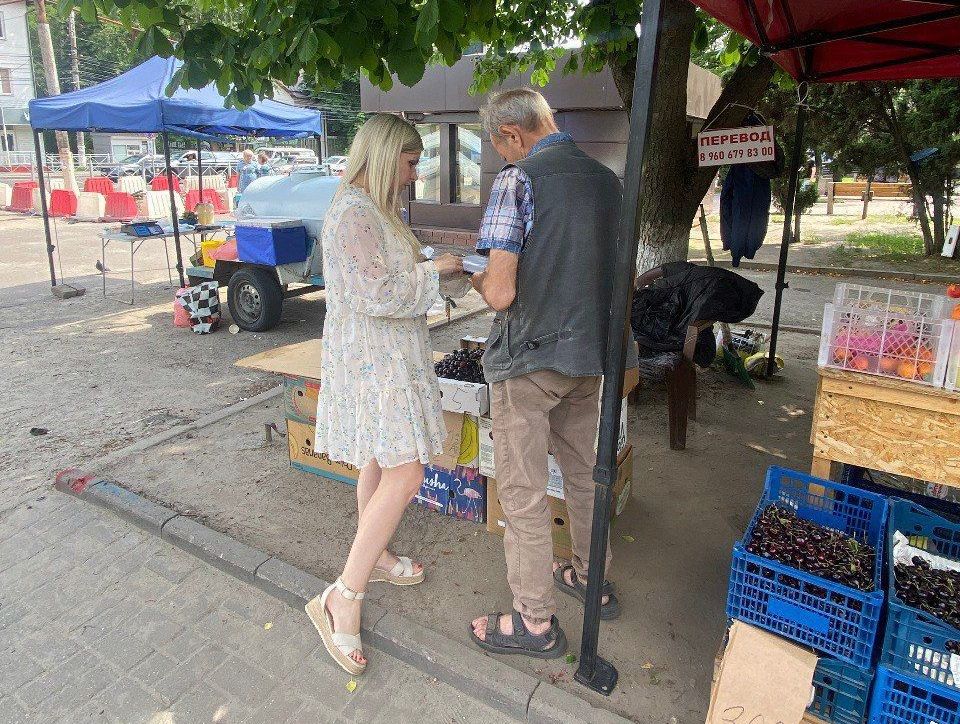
(508, 218)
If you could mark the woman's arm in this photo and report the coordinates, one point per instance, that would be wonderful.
(370, 287)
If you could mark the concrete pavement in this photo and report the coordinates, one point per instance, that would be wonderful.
(102, 622)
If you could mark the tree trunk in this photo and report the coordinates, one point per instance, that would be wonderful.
(75, 76)
(939, 219)
(53, 89)
(671, 184)
(920, 207)
(796, 228)
(866, 197)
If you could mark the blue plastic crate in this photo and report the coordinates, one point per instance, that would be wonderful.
(914, 641)
(899, 698)
(839, 621)
(271, 246)
(841, 692)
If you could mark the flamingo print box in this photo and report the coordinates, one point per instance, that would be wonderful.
(909, 343)
(459, 493)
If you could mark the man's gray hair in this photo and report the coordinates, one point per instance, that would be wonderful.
(523, 107)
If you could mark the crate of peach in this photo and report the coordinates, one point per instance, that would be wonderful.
(887, 341)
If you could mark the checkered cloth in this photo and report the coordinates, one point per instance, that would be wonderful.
(202, 303)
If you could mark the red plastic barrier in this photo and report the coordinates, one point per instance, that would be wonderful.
(120, 205)
(234, 181)
(99, 184)
(159, 183)
(211, 196)
(63, 203)
(22, 197)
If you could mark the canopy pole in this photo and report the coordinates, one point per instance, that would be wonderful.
(199, 171)
(792, 183)
(173, 208)
(43, 205)
(594, 672)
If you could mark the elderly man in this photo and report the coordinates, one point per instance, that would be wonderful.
(550, 229)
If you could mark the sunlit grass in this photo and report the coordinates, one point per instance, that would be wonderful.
(886, 243)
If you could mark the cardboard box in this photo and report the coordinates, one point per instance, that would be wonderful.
(472, 398)
(562, 543)
(304, 457)
(468, 495)
(434, 491)
(487, 461)
(300, 398)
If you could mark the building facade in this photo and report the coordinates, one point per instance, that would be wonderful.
(458, 164)
(16, 78)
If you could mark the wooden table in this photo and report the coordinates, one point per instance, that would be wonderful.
(886, 424)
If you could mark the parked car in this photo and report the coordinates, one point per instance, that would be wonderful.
(213, 161)
(337, 164)
(147, 165)
(298, 156)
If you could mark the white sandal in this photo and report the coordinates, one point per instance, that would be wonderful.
(402, 574)
(338, 645)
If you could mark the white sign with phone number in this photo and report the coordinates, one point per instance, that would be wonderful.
(723, 146)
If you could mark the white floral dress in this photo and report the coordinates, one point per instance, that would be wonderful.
(379, 397)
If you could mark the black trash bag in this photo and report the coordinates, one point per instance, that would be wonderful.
(687, 293)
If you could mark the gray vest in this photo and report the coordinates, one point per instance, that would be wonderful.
(558, 320)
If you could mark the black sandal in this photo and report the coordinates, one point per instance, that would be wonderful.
(608, 611)
(552, 644)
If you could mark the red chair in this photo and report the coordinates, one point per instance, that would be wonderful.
(159, 183)
(234, 181)
(63, 203)
(212, 196)
(121, 206)
(22, 197)
(99, 184)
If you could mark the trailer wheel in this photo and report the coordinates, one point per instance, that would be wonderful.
(255, 298)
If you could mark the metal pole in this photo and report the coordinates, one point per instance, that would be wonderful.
(199, 172)
(173, 208)
(787, 229)
(594, 672)
(43, 206)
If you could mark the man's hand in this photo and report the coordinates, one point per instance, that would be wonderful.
(498, 284)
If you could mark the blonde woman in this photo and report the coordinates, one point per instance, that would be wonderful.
(379, 404)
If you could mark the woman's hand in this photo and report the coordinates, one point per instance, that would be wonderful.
(448, 265)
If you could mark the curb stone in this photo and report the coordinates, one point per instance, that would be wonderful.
(840, 271)
(222, 551)
(476, 675)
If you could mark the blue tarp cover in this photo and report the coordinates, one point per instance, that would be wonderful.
(136, 102)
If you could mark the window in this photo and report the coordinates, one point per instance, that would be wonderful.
(3, 25)
(5, 82)
(427, 187)
(468, 163)
(8, 142)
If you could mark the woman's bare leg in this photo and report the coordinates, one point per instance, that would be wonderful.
(367, 484)
(376, 527)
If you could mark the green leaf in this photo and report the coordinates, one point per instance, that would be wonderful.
(701, 38)
(145, 44)
(539, 77)
(426, 29)
(328, 45)
(570, 658)
(408, 66)
(88, 11)
(308, 46)
(451, 15)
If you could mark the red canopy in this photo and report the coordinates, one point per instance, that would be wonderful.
(842, 40)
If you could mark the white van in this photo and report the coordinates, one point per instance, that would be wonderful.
(299, 155)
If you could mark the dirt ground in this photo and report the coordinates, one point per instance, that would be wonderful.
(91, 376)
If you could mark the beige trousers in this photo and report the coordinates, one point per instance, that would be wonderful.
(532, 414)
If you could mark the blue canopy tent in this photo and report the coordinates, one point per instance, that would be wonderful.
(137, 102)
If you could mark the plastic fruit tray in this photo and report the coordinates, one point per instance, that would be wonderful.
(917, 642)
(840, 692)
(837, 620)
(882, 342)
(894, 301)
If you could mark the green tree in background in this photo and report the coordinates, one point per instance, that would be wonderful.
(243, 45)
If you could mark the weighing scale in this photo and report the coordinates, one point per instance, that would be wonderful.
(142, 228)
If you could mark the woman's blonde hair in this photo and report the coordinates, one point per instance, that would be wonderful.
(373, 164)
